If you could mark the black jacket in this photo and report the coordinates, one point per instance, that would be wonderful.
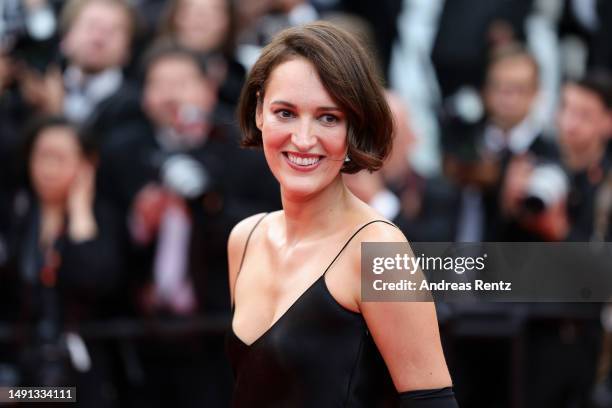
(240, 184)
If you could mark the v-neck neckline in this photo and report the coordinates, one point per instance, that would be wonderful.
(301, 296)
(281, 317)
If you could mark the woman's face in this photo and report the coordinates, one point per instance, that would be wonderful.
(202, 25)
(54, 163)
(304, 131)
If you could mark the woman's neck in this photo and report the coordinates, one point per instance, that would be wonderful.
(314, 216)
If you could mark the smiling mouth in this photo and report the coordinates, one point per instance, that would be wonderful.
(302, 160)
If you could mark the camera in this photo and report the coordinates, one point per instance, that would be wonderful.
(180, 172)
(547, 185)
(29, 36)
(184, 175)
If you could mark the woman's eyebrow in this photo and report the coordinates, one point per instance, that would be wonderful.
(280, 102)
(330, 108)
(320, 108)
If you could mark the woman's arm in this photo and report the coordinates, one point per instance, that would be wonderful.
(407, 335)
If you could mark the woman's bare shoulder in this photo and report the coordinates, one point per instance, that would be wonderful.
(240, 233)
(241, 230)
(236, 246)
(370, 226)
(382, 230)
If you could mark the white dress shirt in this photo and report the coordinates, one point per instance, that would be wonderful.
(84, 93)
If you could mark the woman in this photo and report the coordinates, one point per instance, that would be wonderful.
(301, 336)
(65, 265)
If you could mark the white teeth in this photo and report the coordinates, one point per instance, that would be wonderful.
(302, 161)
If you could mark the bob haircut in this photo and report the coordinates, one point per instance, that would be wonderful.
(349, 76)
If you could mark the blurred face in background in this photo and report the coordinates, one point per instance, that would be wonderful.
(55, 161)
(99, 37)
(176, 87)
(249, 11)
(510, 90)
(584, 126)
(202, 25)
(286, 5)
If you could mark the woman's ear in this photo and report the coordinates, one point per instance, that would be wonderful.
(259, 114)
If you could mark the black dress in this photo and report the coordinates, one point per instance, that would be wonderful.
(318, 354)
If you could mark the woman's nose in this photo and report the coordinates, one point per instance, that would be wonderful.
(304, 138)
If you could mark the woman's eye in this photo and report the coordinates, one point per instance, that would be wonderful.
(284, 114)
(329, 119)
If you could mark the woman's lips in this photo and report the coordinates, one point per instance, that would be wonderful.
(302, 162)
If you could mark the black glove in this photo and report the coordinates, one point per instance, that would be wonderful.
(436, 398)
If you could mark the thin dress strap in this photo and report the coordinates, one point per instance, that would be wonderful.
(246, 244)
(351, 238)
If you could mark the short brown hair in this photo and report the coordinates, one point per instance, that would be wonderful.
(73, 8)
(599, 82)
(167, 25)
(164, 48)
(514, 51)
(347, 73)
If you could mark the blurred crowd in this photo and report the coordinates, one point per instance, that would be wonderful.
(121, 177)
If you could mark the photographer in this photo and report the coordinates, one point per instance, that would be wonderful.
(184, 183)
(585, 127)
(584, 123)
(478, 149)
(83, 78)
(535, 197)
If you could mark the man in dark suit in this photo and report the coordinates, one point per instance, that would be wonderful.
(184, 183)
(479, 151)
(585, 127)
(92, 89)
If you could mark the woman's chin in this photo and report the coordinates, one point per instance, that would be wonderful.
(296, 190)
